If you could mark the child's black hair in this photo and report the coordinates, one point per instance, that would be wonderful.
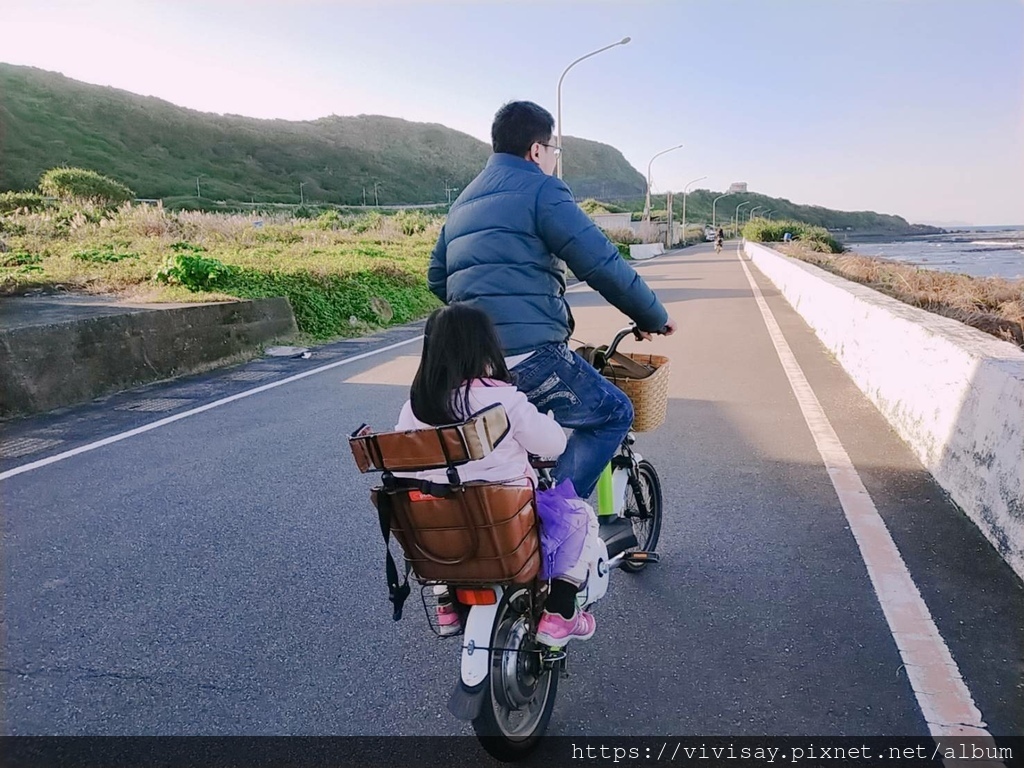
(459, 345)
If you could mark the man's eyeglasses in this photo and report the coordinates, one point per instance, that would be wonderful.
(557, 150)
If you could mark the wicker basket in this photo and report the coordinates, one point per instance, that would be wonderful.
(646, 385)
(648, 395)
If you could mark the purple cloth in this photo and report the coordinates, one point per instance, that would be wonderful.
(563, 528)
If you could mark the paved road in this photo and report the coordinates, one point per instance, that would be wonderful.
(222, 574)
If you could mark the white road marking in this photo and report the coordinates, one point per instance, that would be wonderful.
(185, 414)
(224, 401)
(942, 694)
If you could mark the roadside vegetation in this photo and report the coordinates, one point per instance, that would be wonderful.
(991, 304)
(813, 238)
(342, 274)
(346, 274)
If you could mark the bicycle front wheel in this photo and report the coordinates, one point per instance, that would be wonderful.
(643, 509)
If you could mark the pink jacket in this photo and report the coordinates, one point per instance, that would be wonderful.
(530, 431)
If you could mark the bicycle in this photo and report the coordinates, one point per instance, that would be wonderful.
(507, 680)
(523, 676)
(718, 246)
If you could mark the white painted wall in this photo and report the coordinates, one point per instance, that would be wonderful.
(953, 393)
(612, 220)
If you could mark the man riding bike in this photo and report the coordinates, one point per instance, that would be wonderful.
(719, 240)
(504, 249)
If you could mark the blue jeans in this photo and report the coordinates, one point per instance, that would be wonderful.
(599, 413)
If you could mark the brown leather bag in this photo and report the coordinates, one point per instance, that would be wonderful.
(479, 533)
(458, 533)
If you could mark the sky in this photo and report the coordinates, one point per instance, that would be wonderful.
(910, 107)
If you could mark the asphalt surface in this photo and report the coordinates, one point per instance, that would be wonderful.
(223, 574)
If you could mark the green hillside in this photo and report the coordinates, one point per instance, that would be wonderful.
(159, 149)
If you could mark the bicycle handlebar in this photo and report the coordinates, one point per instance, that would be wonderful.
(631, 329)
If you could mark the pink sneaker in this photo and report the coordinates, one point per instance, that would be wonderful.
(554, 630)
(448, 622)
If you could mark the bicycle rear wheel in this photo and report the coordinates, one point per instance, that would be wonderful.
(643, 509)
(520, 690)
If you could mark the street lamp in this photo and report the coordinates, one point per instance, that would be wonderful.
(768, 213)
(750, 217)
(302, 200)
(713, 204)
(685, 190)
(558, 143)
(198, 194)
(647, 203)
(375, 198)
(736, 216)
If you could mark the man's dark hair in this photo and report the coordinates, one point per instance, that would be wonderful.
(519, 124)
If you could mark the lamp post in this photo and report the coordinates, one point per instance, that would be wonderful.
(198, 194)
(736, 216)
(714, 221)
(558, 118)
(768, 213)
(685, 190)
(647, 202)
(376, 201)
(302, 199)
(750, 217)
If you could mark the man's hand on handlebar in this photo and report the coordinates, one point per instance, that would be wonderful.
(668, 330)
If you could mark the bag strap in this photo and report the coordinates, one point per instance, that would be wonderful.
(630, 367)
(397, 593)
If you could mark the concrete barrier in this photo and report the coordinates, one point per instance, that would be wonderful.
(646, 251)
(45, 366)
(953, 393)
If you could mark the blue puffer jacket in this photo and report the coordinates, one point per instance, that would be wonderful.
(504, 248)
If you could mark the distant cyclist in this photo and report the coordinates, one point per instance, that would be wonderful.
(719, 240)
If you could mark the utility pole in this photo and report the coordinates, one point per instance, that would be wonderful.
(376, 201)
(198, 194)
(736, 215)
(685, 190)
(558, 120)
(647, 202)
(448, 191)
(364, 197)
(668, 233)
(302, 199)
(714, 203)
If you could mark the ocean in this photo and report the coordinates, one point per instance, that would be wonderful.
(975, 251)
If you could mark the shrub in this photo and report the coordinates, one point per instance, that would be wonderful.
(623, 250)
(591, 206)
(627, 236)
(329, 219)
(768, 231)
(367, 222)
(80, 184)
(411, 222)
(195, 272)
(28, 202)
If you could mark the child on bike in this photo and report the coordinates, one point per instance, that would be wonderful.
(462, 371)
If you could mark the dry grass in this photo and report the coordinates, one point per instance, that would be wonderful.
(990, 304)
(145, 235)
